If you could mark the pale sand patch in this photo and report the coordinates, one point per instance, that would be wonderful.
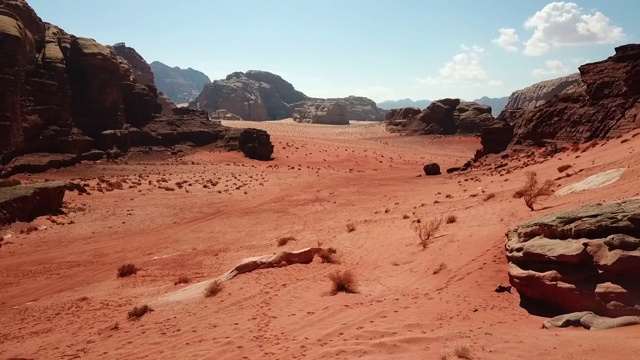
(593, 182)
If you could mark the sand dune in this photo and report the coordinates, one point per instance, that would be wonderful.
(61, 298)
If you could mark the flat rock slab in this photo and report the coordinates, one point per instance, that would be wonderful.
(38, 162)
(586, 259)
(593, 182)
(590, 321)
(26, 202)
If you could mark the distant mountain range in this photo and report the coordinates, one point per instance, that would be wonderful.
(180, 85)
(497, 104)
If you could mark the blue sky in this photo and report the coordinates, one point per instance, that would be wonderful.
(382, 49)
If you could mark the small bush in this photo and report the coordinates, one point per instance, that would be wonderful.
(328, 256)
(139, 312)
(462, 352)
(213, 289)
(532, 191)
(351, 227)
(451, 219)
(285, 240)
(182, 280)
(405, 216)
(343, 281)
(127, 270)
(439, 268)
(563, 168)
(426, 230)
(489, 196)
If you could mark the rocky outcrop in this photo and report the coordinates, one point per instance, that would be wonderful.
(360, 108)
(444, 116)
(321, 112)
(180, 85)
(604, 104)
(497, 104)
(223, 114)
(64, 94)
(585, 259)
(589, 320)
(494, 138)
(539, 93)
(26, 202)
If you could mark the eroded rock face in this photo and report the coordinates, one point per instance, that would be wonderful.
(604, 104)
(26, 202)
(321, 112)
(539, 93)
(444, 116)
(587, 259)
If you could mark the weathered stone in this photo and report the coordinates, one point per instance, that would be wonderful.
(321, 112)
(431, 169)
(26, 202)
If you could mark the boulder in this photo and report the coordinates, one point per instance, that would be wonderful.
(585, 259)
(432, 169)
(321, 112)
(26, 202)
(223, 114)
(495, 138)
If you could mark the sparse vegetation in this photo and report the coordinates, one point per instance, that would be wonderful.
(405, 216)
(488, 197)
(563, 168)
(127, 270)
(532, 191)
(439, 268)
(426, 231)
(139, 311)
(343, 281)
(462, 352)
(451, 219)
(285, 240)
(328, 256)
(351, 227)
(213, 289)
(182, 280)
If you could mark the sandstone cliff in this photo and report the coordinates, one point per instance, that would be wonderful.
(539, 93)
(180, 85)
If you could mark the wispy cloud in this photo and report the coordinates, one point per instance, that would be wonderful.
(464, 68)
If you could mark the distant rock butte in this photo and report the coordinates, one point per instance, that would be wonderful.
(180, 85)
(69, 95)
(539, 93)
(260, 95)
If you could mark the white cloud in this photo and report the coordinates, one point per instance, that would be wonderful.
(464, 68)
(566, 24)
(552, 67)
(507, 40)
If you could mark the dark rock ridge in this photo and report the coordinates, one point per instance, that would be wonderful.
(539, 93)
(180, 85)
(444, 116)
(67, 94)
(26, 202)
(261, 95)
(585, 259)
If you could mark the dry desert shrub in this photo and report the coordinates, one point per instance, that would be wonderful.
(426, 231)
(351, 227)
(138, 311)
(439, 268)
(462, 352)
(563, 168)
(285, 240)
(451, 219)
(328, 256)
(213, 289)
(182, 280)
(532, 190)
(127, 270)
(343, 281)
(489, 196)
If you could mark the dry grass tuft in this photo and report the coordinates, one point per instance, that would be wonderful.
(532, 191)
(426, 231)
(351, 227)
(488, 197)
(343, 281)
(127, 270)
(285, 240)
(328, 256)
(182, 280)
(462, 352)
(138, 312)
(439, 268)
(451, 219)
(213, 289)
(563, 168)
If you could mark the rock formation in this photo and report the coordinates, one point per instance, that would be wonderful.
(261, 95)
(444, 116)
(26, 202)
(497, 104)
(403, 103)
(180, 85)
(539, 93)
(66, 94)
(585, 259)
(321, 112)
